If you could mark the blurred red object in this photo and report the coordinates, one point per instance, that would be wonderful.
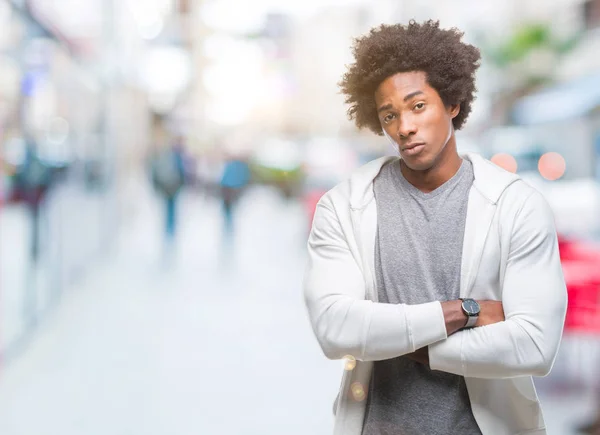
(581, 267)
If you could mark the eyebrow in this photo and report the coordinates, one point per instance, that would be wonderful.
(405, 99)
(384, 108)
(411, 95)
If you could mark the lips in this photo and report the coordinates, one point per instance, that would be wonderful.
(411, 146)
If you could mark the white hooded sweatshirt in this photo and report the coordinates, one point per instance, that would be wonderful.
(510, 253)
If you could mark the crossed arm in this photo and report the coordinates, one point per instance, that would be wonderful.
(455, 319)
(516, 337)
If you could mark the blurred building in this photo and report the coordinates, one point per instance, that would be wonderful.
(80, 82)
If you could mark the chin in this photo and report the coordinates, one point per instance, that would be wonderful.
(418, 164)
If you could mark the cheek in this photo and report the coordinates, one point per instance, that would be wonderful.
(388, 133)
(439, 126)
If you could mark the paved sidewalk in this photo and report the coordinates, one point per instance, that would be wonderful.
(212, 343)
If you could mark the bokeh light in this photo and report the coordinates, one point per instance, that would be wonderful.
(506, 162)
(349, 363)
(552, 166)
(358, 392)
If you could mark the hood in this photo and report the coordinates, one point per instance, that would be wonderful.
(490, 179)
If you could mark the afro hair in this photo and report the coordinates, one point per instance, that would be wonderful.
(448, 63)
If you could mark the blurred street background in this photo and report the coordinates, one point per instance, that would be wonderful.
(160, 161)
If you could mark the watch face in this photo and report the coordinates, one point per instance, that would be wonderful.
(471, 307)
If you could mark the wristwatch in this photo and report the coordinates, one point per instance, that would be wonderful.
(471, 308)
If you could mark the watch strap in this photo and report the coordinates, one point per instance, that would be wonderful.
(471, 321)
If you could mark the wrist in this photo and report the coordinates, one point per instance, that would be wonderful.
(455, 317)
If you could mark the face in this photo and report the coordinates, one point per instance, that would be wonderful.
(414, 116)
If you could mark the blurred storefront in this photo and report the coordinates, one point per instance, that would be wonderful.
(50, 118)
(75, 99)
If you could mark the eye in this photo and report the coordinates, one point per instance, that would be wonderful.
(419, 106)
(389, 118)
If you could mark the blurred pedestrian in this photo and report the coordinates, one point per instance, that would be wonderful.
(33, 179)
(234, 180)
(168, 177)
(435, 275)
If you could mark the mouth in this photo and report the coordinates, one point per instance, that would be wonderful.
(412, 146)
(413, 149)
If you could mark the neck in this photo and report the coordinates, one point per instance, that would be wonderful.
(446, 166)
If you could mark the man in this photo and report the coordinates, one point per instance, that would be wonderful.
(33, 180)
(437, 276)
(234, 180)
(168, 178)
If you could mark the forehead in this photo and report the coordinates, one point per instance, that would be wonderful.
(401, 84)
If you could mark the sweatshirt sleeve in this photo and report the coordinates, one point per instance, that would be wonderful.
(534, 298)
(343, 321)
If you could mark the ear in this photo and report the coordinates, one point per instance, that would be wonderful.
(454, 110)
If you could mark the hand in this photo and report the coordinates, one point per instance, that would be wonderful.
(420, 355)
(490, 312)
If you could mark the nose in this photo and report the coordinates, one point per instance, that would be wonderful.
(406, 127)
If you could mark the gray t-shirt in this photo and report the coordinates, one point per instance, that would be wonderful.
(417, 259)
